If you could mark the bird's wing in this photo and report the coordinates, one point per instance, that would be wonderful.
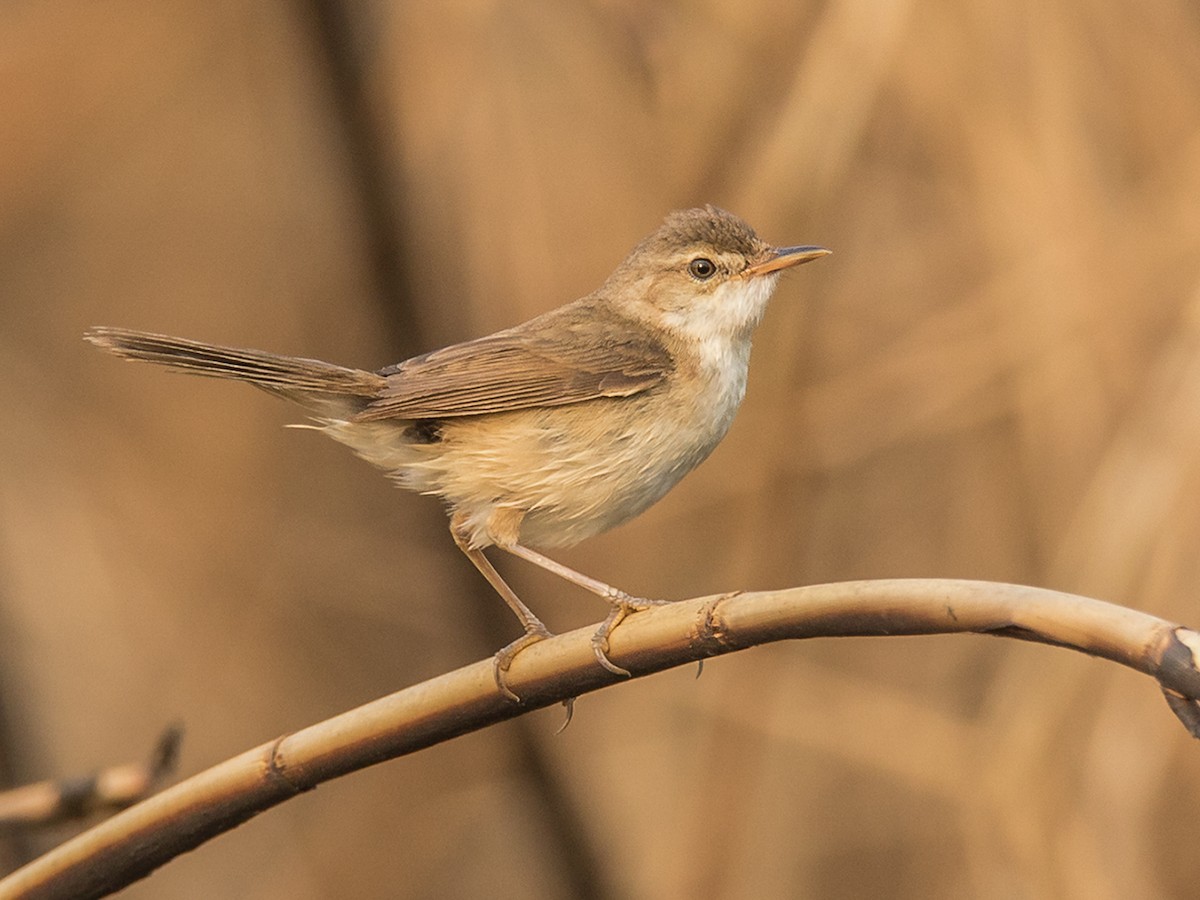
(569, 355)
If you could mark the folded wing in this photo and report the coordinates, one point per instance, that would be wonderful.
(569, 355)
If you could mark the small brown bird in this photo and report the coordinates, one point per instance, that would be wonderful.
(556, 429)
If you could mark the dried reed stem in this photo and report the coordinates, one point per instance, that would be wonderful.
(136, 841)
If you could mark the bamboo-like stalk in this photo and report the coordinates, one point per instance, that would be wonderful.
(138, 840)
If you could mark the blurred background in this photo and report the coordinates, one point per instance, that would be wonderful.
(997, 376)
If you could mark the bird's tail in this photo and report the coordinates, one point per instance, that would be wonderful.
(307, 381)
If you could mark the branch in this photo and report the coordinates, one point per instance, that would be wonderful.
(52, 802)
(138, 840)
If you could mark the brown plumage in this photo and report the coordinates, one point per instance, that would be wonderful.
(556, 429)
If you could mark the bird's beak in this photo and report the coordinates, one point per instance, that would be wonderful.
(783, 258)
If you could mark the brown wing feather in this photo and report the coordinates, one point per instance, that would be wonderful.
(575, 353)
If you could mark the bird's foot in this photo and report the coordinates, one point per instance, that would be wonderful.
(503, 659)
(622, 605)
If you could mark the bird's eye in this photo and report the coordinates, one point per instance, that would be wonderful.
(702, 269)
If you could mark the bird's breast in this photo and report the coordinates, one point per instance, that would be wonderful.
(574, 470)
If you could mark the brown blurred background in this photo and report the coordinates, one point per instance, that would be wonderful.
(996, 376)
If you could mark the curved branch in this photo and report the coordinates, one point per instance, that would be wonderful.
(138, 840)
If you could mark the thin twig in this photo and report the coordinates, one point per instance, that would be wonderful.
(52, 802)
(135, 842)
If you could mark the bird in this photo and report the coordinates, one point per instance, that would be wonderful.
(557, 429)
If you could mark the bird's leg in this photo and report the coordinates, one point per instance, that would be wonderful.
(534, 629)
(622, 603)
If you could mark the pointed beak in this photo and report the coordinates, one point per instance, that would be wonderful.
(784, 258)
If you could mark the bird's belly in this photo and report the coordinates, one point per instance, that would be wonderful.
(573, 471)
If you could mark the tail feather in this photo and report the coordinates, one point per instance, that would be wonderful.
(293, 377)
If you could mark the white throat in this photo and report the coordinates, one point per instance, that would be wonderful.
(719, 330)
(721, 325)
